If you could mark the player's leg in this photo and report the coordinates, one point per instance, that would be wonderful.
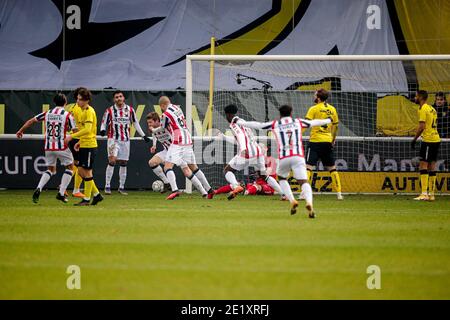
(283, 169)
(50, 159)
(87, 157)
(188, 157)
(66, 159)
(236, 164)
(423, 170)
(155, 164)
(312, 157)
(112, 150)
(173, 158)
(432, 158)
(299, 173)
(194, 180)
(77, 178)
(201, 176)
(224, 189)
(123, 156)
(261, 170)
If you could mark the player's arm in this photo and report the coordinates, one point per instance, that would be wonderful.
(228, 139)
(309, 116)
(314, 123)
(87, 129)
(334, 127)
(29, 123)
(137, 126)
(105, 123)
(420, 128)
(255, 124)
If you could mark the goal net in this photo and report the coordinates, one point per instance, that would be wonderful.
(373, 95)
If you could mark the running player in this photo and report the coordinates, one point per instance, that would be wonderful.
(117, 121)
(180, 152)
(87, 147)
(250, 155)
(429, 147)
(57, 123)
(165, 138)
(288, 134)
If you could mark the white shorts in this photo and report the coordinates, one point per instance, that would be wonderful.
(180, 155)
(240, 163)
(162, 155)
(64, 156)
(296, 164)
(119, 149)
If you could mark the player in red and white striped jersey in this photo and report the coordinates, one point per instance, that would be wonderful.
(116, 122)
(57, 122)
(181, 152)
(288, 134)
(165, 138)
(250, 154)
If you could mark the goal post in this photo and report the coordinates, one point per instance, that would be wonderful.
(372, 94)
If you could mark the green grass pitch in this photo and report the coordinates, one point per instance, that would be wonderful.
(143, 247)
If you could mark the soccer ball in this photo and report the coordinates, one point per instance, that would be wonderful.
(157, 186)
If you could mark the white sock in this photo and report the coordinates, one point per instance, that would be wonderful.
(201, 176)
(307, 192)
(231, 178)
(65, 180)
(109, 175)
(122, 176)
(160, 174)
(197, 184)
(274, 184)
(172, 180)
(286, 188)
(44, 179)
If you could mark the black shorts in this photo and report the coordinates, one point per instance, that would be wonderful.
(429, 151)
(322, 151)
(72, 143)
(87, 157)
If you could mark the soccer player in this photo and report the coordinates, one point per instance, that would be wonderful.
(165, 138)
(288, 134)
(117, 121)
(322, 139)
(250, 155)
(57, 123)
(180, 152)
(76, 111)
(87, 147)
(429, 147)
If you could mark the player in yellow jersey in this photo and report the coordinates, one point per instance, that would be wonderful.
(87, 147)
(429, 147)
(322, 139)
(76, 111)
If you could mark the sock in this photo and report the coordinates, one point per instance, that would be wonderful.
(160, 173)
(231, 178)
(274, 184)
(122, 176)
(77, 182)
(286, 188)
(336, 180)
(424, 181)
(65, 180)
(431, 182)
(172, 180)
(94, 189)
(109, 175)
(309, 172)
(44, 179)
(224, 189)
(197, 184)
(307, 192)
(88, 186)
(201, 176)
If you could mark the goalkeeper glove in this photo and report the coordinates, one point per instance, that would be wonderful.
(413, 144)
(146, 139)
(102, 133)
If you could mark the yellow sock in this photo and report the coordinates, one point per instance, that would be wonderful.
(74, 170)
(88, 186)
(431, 183)
(309, 175)
(94, 188)
(336, 180)
(424, 181)
(77, 182)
